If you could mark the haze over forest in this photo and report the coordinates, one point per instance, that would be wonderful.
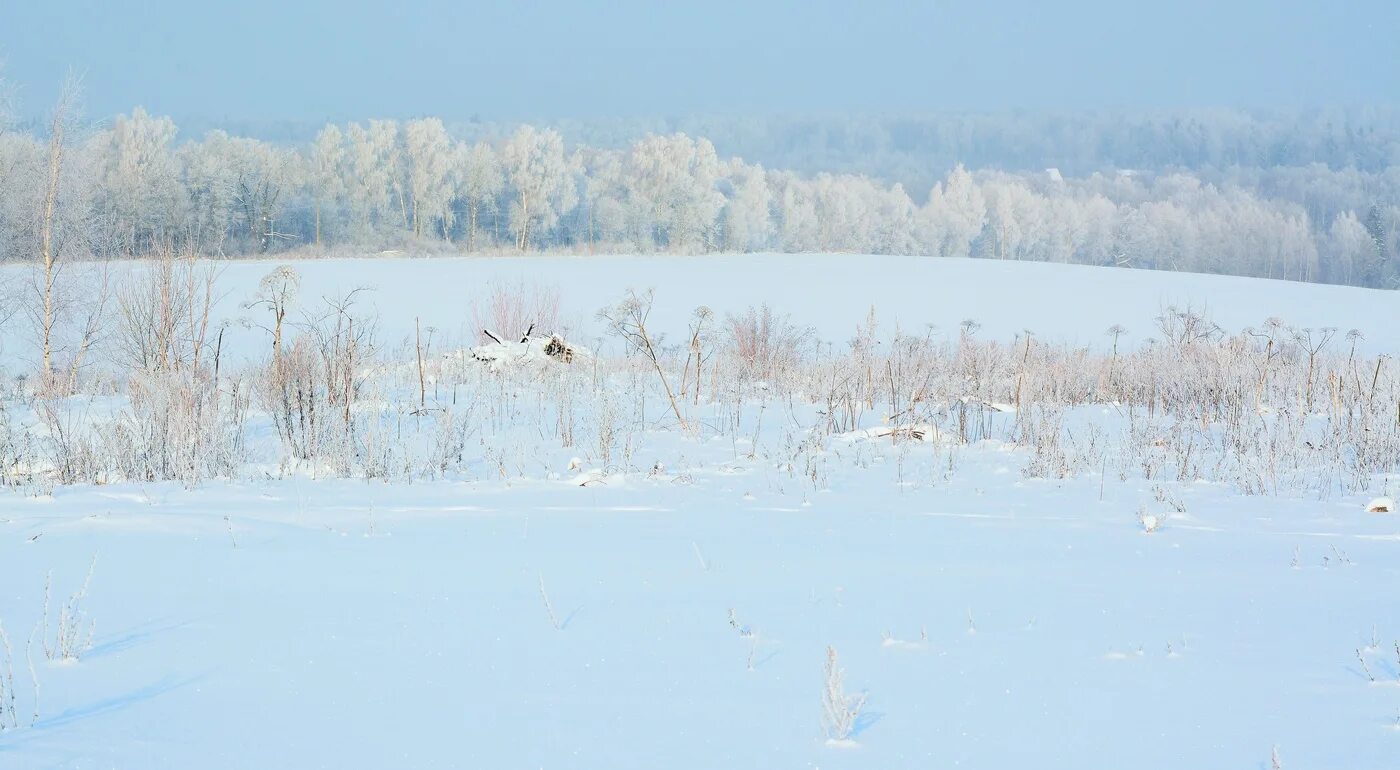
(1256, 139)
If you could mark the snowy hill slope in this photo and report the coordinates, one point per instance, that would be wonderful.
(537, 566)
(831, 293)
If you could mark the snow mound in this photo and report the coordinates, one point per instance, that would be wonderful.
(529, 353)
(1381, 505)
(912, 432)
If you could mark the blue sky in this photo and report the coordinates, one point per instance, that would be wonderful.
(269, 59)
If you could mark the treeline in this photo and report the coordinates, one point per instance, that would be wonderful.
(131, 188)
(918, 150)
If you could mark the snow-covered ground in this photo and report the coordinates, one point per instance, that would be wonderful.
(831, 293)
(570, 615)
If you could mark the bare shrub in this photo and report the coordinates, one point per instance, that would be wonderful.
(162, 314)
(294, 391)
(311, 385)
(766, 343)
(513, 309)
(67, 444)
(1269, 411)
(67, 311)
(1043, 430)
(16, 450)
(179, 425)
(628, 320)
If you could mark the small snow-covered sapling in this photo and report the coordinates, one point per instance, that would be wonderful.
(839, 710)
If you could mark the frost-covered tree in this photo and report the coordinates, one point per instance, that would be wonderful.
(371, 172)
(672, 178)
(130, 188)
(541, 185)
(1172, 241)
(897, 223)
(63, 309)
(955, 214)
(845, 209)
(386, 135)
(1100, 220)
(746, 220)
(138, 192)
(1013, 213)
(604, 199)
(238, 190)
(1134, 240)
(1348, 245)
(478, 180)
(325, 173)
(1383, 226)
(428, 153)
(797, 212)
(20, 158)
(208, 179)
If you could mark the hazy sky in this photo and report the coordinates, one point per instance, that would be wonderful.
(341, 59)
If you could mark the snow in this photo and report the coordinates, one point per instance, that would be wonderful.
(993, 620)
(830, 293)
(365, 625)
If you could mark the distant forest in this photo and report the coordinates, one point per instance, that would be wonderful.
(1310, 196)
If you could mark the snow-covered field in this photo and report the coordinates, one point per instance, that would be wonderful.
(831, 293)
(541, 607)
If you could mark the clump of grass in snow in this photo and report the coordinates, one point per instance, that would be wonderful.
(74, 632)
(9, 717)
(549, 607)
